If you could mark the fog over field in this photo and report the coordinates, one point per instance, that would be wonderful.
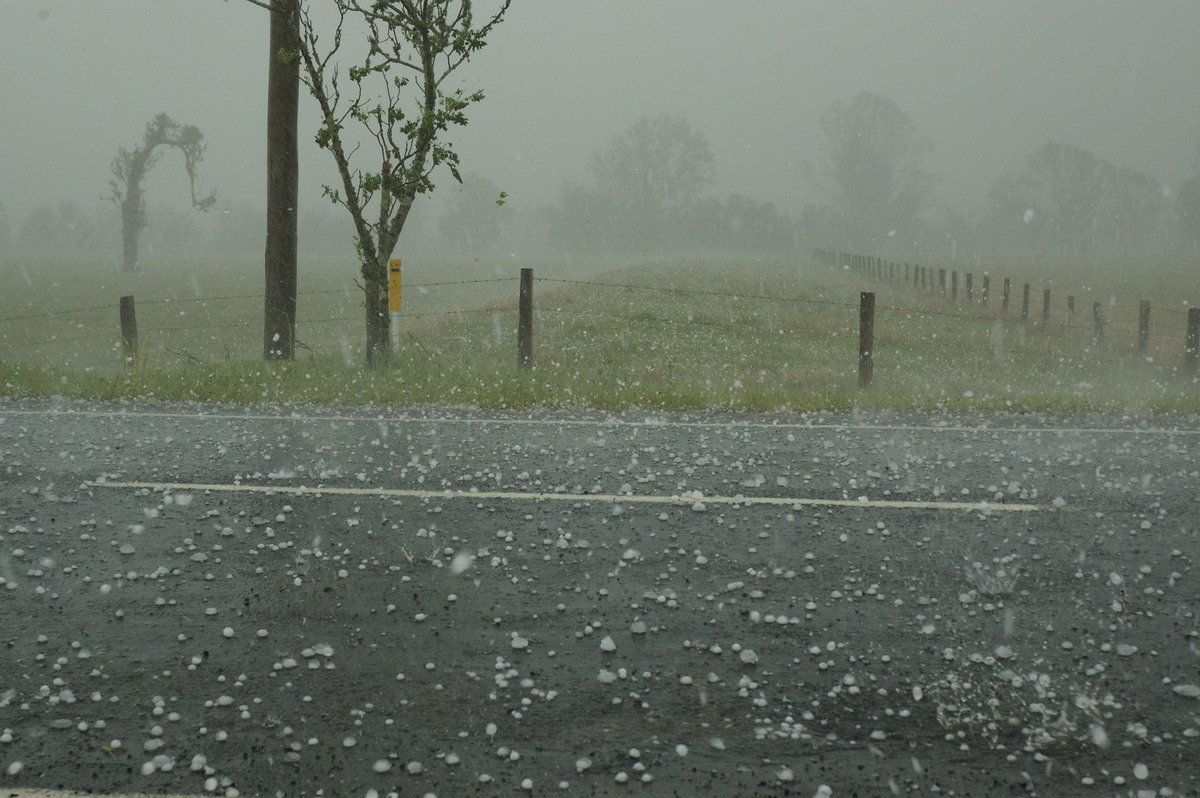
(984, 85)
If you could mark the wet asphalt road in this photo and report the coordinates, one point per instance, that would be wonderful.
(480, 603)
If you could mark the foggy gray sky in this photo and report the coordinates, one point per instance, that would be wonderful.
(985, 82)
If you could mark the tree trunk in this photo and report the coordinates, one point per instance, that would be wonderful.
(378, 318)
(129, 242)
(283, 92)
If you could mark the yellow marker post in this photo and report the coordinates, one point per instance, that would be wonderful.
(394, 297)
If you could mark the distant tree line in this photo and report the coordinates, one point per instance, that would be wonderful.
(1069, 202)
(1064, 202)
(649, 193)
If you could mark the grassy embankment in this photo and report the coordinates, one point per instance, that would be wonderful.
(789, 340)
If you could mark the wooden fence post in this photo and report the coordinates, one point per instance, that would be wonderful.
(1097, 322)
(1071, 310)
(970, 289)
(1143, 325)
(954, 286)
(866, 338)
(1191, 352)
(941, 282)
(129, 332)
(1046, 307)
(525, 321)
(1007, 294)
(1025, 304)
(987, 289)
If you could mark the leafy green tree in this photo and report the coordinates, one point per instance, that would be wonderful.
(130, 167)
(385, 119)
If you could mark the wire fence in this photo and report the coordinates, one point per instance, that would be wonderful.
(943, 285)
(928, 311)
(216, 310)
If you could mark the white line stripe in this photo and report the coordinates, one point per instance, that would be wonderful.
(607, 422)
(22, 792)
(304, 490)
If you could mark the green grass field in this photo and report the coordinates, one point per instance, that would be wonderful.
(687, 334)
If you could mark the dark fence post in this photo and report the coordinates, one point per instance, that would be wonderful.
(1143, 325)
(1098, 322)
(970, 289)
(1025, 303)
(1191, 351)
(1007, 294)
(1071, 310)
(954, 286)
(1046, 307)
(525, 321)
(129, 333)
(942, 282)
(866, 338)
(987, 289)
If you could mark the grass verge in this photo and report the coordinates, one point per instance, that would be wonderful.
(756, 337)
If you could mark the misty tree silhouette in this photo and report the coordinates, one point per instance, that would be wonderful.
(130, 167)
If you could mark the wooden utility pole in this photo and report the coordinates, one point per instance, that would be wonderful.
(283, 100)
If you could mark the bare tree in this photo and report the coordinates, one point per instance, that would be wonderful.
(130, 167)
(390, 109)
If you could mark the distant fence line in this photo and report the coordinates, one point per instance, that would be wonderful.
(927, 281)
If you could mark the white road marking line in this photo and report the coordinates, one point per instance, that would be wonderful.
(610, 422)
(21, 792)
(304, 490)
